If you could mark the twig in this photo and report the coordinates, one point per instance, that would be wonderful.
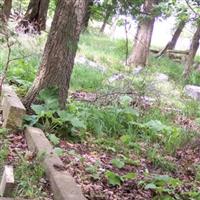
(9, 45)
(191, 8)
(126, 32)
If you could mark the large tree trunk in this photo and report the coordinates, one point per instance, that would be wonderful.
(192, 52)
(36, 14)
(5, 10)
(171, 44)
(140, 52)
(60, 50)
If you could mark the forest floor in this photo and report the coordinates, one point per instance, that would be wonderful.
(124, 135)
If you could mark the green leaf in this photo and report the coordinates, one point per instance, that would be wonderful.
(31, 119)
(3, 131)
(64, 115)
(130, 161)
(77, 123)
(113, 178)
(164, 178)
(150, 186)
(130, 176)
(156, 125)
(38, 109)
(118, 163)
(58, 151)
(126, 139)
(55, 140)
(125, 100)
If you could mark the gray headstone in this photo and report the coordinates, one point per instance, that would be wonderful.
(193, 91)
(7, 181)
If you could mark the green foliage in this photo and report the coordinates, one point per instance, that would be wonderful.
(115, 179)
(4, 151)
(94, 171)
(28, 176)
(93, 82)
(55, 140)
(105, 51)
(160, 162)
(163, 185)
(121, 120)
(167, 66)
(51, 119)
(59, 151)
(118, 163)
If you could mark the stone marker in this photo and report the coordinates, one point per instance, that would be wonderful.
(161, 77)
(137, 70)
(62, 183)
(7, 181)
(91, 64)
(13, 109)
(193, 91)
(116, 77)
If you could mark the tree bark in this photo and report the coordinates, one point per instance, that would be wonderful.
(87, 16)
(106, 18)
(140, 52)
(36, 14)
(6, 10)
(192, 52)
(60, 50)
(171, 44)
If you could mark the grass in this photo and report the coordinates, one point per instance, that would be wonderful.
(28, 174)
(86, 79)
(109, 52)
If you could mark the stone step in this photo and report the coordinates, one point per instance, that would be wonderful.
(13, 109)
(62, 183)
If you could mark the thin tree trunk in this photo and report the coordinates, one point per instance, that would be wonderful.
(106, 18)
(87, 15)
(171, 44)
(140, 52)
(60, 50)
(36, 14)
(114, 25)
(192, 52)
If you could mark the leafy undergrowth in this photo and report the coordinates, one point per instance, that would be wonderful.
(107, 173)
(117, 139)
(123, 150)
(29, 175)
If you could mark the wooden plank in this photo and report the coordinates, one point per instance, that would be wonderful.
(178, 52)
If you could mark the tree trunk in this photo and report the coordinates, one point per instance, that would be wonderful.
(192, 52)
(36, 14)
(5, 10)
(87, 16)
(60, 50)
(171, 44)
(106, 18)
(140, 52)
